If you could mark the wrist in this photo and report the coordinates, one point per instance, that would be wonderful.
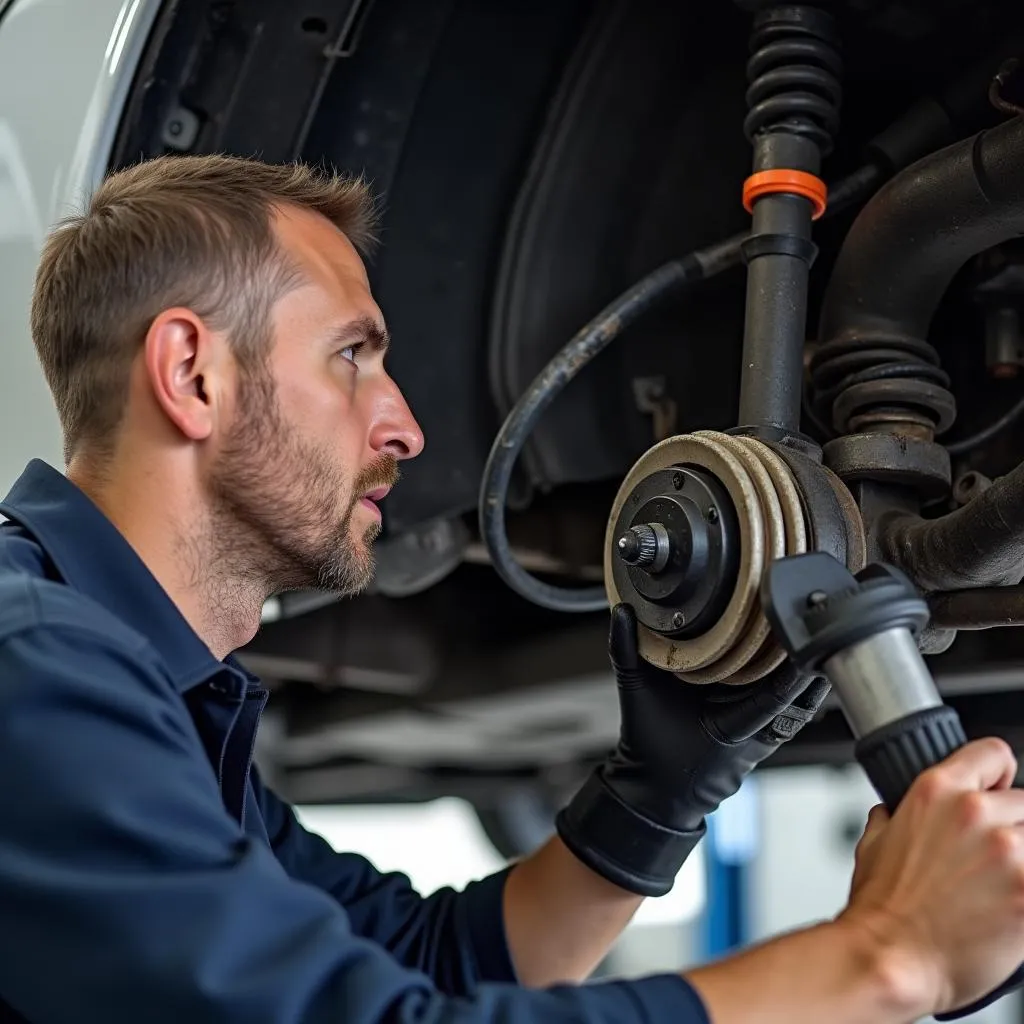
(619, 843)
(835, 971)
(905, 984)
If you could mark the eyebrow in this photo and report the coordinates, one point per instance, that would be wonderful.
(365, 331)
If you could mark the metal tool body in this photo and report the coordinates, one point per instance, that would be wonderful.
(859, 631)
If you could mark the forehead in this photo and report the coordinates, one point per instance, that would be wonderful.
(327, 259)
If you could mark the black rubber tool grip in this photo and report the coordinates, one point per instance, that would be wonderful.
(896, 754)
(893, 757)
(816, 608)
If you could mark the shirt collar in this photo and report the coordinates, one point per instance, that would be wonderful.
(92, 556)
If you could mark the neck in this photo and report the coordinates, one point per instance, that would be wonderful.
(176, 537)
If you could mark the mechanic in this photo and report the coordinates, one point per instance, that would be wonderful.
(217, 362)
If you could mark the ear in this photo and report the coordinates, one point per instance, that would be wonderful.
(180, 357)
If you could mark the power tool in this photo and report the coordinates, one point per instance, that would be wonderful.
(859, 631)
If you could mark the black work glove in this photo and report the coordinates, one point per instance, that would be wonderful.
(683, 749)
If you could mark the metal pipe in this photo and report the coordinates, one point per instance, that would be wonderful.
(920, 228)
(875, 370)
(979, 545)
(779, 254)
(793, 98)
(980, 608)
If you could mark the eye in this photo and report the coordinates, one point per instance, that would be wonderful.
(349, 352)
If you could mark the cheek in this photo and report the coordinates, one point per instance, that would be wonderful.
(325, 410)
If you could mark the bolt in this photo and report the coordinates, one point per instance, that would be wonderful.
(638, 546)
(678, 480)
(712, 515)
(175, 127)
(817, 599)
(629, 546)
(678, 620)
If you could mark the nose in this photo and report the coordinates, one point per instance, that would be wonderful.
(394, 427)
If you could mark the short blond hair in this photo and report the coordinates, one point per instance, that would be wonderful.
(193, 231)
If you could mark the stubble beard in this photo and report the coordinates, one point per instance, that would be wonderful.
(276, 505)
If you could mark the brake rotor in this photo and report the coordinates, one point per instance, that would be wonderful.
(738, 648)
(758, 654)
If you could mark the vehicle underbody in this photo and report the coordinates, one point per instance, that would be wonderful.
(536, 160)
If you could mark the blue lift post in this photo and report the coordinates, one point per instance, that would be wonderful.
(729, 849)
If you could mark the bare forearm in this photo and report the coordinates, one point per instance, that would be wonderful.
(831, 972)
(560, 917)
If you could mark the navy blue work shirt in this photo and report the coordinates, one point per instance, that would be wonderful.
(148, 875)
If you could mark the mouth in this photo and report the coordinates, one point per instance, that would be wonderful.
(370, 499)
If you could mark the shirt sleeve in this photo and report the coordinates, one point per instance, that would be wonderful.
(129, 894)
(456, 938)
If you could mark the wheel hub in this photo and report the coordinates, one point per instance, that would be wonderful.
(678, 550)
(692, 530)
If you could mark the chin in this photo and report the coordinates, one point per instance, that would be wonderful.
(361, 548)
(368, 535)
(370, 518)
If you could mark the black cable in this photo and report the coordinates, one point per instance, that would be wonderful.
(546, 386)
(976, 440)
(621, 313)
(854, 187)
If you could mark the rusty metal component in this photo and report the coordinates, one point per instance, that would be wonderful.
(651, 396)
(738, 647)
(856, 538)
(834, 522)
(970, 485)
(881, 383)
(890, 458)
(979, 545)
(896, 262)
(754, 629)
(980, 608)
(899, 405)
(757, 653)
(793, 97)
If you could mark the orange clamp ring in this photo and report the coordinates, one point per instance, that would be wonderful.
(800, 183)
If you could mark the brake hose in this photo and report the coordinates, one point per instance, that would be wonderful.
(609, 324)
(968, 444)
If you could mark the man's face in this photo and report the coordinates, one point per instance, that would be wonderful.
(317, 435)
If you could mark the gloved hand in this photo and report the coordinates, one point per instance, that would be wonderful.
(683, 749)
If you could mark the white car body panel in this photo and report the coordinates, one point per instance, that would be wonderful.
(65, 70)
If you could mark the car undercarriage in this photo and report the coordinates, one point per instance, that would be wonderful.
(665, 163)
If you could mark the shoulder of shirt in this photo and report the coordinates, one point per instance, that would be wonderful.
(31, 604)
